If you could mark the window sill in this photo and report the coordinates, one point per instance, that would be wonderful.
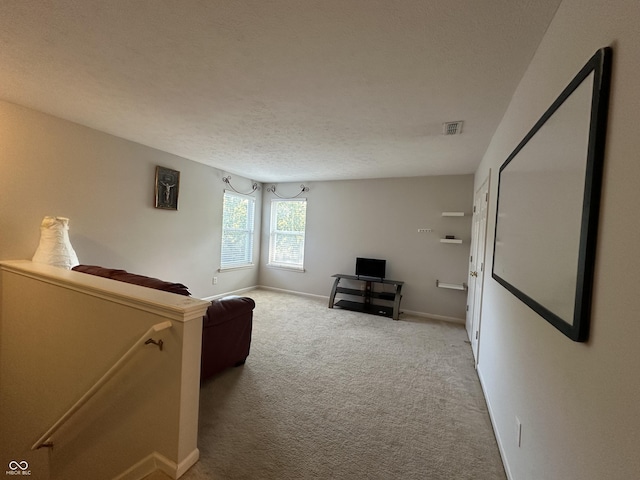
(290, 268)
(239, 267)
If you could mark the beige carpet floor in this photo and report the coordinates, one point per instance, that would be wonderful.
(332, 394)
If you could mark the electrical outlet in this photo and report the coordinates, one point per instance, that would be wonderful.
(214, 281)
(425, 230)
(518, 432)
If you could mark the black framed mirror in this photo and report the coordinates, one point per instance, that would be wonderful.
(548, 203)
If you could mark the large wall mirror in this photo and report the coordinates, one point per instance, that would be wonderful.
(548, 202)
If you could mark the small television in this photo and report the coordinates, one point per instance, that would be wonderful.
(370, 267)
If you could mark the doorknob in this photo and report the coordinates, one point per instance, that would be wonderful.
(473, 274)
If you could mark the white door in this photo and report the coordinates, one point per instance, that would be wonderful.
(476, 266)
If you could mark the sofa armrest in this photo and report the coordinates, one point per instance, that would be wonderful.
(227, 308)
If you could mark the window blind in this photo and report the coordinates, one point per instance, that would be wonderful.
(287, 233)
(237, 230)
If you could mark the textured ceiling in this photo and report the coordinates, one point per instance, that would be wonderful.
(278, 90)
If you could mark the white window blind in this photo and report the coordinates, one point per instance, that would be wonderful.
(286, 242)
(237, 230)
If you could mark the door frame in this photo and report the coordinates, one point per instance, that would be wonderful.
(480, 260)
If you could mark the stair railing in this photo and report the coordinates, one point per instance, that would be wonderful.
(45, 439)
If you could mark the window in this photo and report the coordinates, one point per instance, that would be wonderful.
(286, 242)
(237, 230)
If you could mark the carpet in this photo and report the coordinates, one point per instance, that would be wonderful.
(333, 394)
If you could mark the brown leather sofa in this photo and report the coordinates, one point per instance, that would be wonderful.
(226, 326)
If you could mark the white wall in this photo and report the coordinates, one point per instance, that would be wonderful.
(578, 403)
(105, 185)
(380, 219)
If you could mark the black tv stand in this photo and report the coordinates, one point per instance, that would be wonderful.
(364, 278)
(365, 302)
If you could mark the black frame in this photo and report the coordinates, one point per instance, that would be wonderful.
(578, 330)
(167, 188)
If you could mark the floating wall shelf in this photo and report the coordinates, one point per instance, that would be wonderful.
(451, 240)
(453, 214)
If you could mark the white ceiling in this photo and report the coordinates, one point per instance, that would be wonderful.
(278, 90)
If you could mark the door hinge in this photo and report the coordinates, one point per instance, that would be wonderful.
(474, 209)
(471, 259)
(482, 267)
(477, 334)
(486, 197)
(467, 308)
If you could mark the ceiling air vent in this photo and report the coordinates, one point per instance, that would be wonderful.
(452, 128)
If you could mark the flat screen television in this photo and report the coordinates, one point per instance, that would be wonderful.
(370, 267)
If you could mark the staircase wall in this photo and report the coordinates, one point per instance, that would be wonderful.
(60, 331)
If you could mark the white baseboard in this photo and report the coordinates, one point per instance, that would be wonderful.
(433, 316)
(234, 292)
(187, 463)
(505, 463)
(293, 292)
(157, 461)
(140, 470)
